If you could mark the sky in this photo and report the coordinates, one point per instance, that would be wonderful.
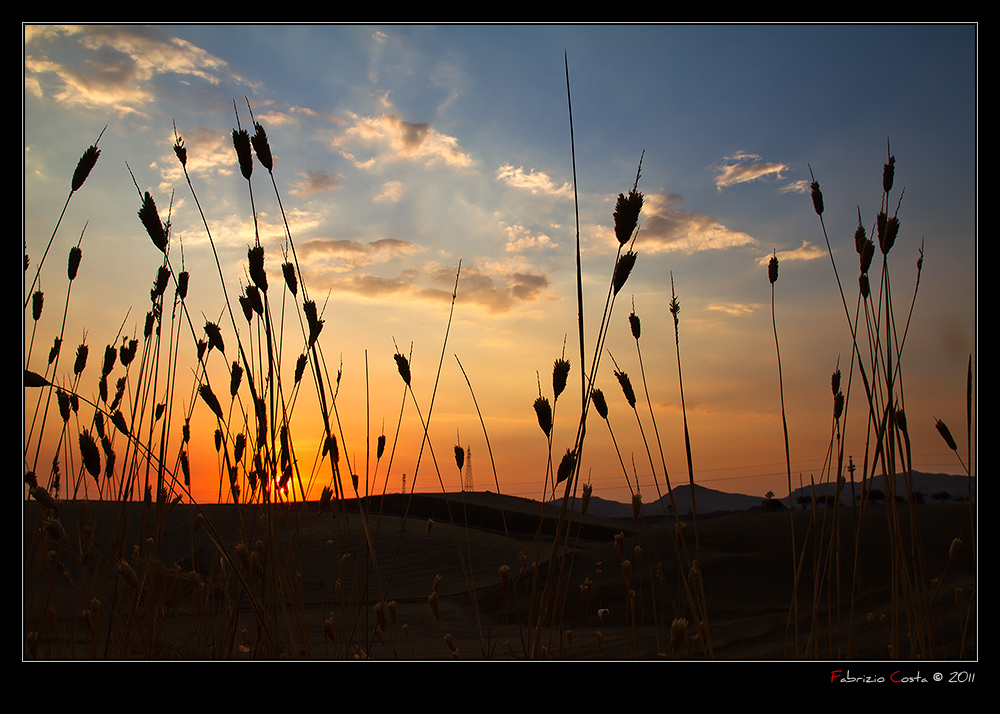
(409, 156)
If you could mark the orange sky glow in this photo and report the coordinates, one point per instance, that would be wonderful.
(424, 190)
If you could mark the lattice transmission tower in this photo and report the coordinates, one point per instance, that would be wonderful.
(468, 469)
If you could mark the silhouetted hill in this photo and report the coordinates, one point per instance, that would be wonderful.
(712, 502)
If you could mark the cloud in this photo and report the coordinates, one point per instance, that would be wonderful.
(536, 182)
(806, 251)
(398, 139)
(801, 186)
(313, 182)
(744, 168)
(333, 255)
(122, 65)
(208, 153)
(499, 293)
(734, 309)
(664, 228)
(494, 292)
(520, 239)
(391, 191)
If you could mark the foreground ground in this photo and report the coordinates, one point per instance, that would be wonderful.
(128, 581)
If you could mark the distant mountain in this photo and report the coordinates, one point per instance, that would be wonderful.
(710, 501)
(927, 484)
(707, 500)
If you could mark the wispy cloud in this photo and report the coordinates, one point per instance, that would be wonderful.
(521, 239)
(666, 228)
(734, 309)
(806, 251)
(801, 186)
(744, 168)
(495, 292)
(398, 139)
(536, 182)
(391, 191)
(333, 255)
(122, 65)
(313, 182)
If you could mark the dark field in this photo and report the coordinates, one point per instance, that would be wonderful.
(127, 581)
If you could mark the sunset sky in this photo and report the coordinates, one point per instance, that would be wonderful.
(402, 151)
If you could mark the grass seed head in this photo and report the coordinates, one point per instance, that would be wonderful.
(110, 355)
(81, 358)
(210, 399)
(634, 324)
(627, 215)
(239, 445)
(566, 466)
(887, 237)
(678, 630)
(180, 151)
(956, 545)
(90, 455)
(118, 419)
(126, 353)
(255, 256)
(73, 262)
(54, 351)
(626, 385)
(867, 253)
(160, 283)
(300, 367)
(543, 410)
(946, 435)
(247, 308)
(560, 371)
(84, 166)
(214, 337)
(330, 447)
(235, 377)
(288, 270)
(888, 172)
(772, 268)
(262, 147)
(899, 416)
(860, 235)
(314, 321)
(600, 403)
(403, 365)
(37, 299)
(253, 296)
(241, 142)
(622, 270)
(44, 497)
(817, 198)
(150, 219)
